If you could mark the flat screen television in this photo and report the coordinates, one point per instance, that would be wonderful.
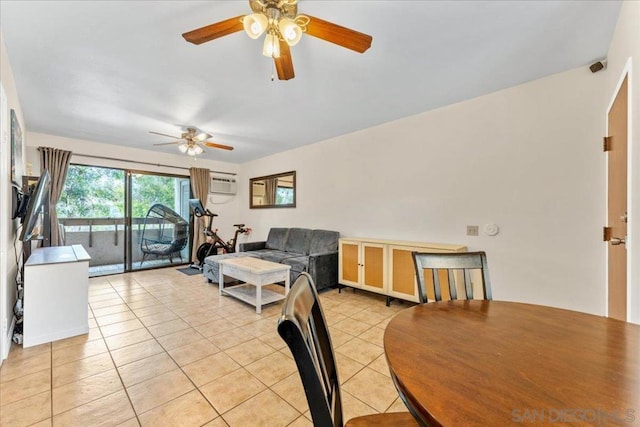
(37, 199)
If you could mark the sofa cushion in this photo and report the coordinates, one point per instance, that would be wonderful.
(323, 241)
(298, 241)
(277, 256)
(299, 264)
(277, 238)
(262, 252)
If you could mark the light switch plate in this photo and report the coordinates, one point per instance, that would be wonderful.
(472, 230)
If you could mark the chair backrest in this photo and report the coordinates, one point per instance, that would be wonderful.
(303, 327)
(166, 226)
(456, 264)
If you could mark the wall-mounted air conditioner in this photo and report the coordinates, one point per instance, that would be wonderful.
(223, 185)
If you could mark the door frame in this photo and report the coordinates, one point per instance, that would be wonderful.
(633, 289)
(127, 249)
(5, 184)
(128, 229)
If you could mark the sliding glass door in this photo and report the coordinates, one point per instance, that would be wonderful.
(159, 220)
(127, 220)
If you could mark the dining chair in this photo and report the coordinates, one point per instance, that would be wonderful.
(456, 264)
(303, 327)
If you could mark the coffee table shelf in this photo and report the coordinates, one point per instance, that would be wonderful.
(247, 293)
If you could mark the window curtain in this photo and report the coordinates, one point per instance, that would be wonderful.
(200, 188)
(270, 187)
(56, 161)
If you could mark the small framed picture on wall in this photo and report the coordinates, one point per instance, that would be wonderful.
(16, 149)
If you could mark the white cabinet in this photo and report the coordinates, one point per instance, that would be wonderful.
(56, 294)
(384, 266)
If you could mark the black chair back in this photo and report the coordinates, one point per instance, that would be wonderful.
(303, 327)
(464, 262)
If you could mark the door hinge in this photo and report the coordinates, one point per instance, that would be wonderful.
(606, 234)
(606, 143)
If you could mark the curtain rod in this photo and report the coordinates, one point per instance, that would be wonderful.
(143, 163)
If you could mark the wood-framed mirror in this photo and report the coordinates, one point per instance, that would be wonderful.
(273, 191)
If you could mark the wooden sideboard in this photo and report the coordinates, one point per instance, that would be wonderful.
(384, 266)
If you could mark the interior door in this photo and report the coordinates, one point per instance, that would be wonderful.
(617, 205)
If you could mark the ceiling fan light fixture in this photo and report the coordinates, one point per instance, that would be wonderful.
(198, 149)
(271, 47)
(281, 23)
(183, 147)
(191, 151)
(291, 32)
(255, 24)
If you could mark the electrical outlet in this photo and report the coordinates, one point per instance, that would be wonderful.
(472, 230)
(4, 327)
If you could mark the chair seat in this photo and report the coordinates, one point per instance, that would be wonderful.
(399, 419)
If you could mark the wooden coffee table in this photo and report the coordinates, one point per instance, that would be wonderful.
(256, 273)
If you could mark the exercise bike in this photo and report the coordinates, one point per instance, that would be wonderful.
(214, 244)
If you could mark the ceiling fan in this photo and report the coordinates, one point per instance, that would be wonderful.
(284, 27)
(192, 141)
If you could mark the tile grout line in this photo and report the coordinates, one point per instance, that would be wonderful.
(267, 387)
(180, 367)
(233, 313)
(135, 413)
(154, 338)
(167, 353)
(52, 367)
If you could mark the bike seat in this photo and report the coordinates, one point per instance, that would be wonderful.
(238, 225)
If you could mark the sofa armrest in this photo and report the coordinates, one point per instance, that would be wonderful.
(323, 269)
(251, 246)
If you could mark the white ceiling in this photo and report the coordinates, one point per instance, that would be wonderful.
(110, 71)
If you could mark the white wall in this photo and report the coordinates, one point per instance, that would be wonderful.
(527, 158)
(8, 227)
(624, 57)
(225, 206)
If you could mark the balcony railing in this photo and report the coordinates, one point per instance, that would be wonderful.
(103, 238)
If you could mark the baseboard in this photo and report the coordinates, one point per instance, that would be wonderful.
(31, 340)
(9, 338)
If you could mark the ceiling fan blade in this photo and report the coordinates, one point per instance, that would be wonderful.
(284, 63)
(214, 31)
(202, 136)
(164, 134)
(214, 145)
(339, 35)
(168, 143)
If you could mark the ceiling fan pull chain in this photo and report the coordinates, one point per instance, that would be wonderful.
(272, 70)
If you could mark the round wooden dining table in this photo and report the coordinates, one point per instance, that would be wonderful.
(494, 363)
